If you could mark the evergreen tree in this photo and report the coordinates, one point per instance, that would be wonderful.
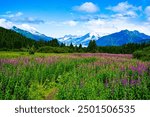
(71, 46)
(92, 47)
(62, 45)
(80, 46)
(54, 43)
(72, 49)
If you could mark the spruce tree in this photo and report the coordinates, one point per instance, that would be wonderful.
(92, 47)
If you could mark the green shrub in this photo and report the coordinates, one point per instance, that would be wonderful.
(142, 54)
(32, 50)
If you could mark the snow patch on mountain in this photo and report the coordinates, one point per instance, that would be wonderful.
(31, 33)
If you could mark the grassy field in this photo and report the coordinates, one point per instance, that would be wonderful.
(73, 76)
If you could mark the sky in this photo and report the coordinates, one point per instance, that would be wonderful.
(57, 18)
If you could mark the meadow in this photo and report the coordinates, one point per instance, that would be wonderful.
(84, 76)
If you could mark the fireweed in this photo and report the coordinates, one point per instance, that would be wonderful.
(74, 76)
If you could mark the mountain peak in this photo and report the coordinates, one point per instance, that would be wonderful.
(124, 31)
(14, 27)
(136, 31)
(93, 34)
(127, 31)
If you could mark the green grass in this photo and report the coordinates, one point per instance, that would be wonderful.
(72, 76)
(5, 54)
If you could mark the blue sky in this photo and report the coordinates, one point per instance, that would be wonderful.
(57, 18)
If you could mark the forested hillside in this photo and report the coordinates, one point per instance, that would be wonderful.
(12, 40)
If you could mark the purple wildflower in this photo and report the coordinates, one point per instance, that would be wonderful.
(124, 82)
(135, 82)
(140, 68)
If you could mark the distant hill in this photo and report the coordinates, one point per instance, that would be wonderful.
(123, 37)
(32, 35)
(11, 40)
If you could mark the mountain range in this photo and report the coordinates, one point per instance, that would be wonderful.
(115, 39)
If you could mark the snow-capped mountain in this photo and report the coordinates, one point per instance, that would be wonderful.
(32, 34)
(123, 37)
(77, 40)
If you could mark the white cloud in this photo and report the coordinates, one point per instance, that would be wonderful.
(9, 14)
(19, 18)
(5, 24)
(18, 14)
(123, 7)
(8, 25)
(126, 15)
(71, 23)
(131, 14)
(105, 26)
(147, 12)
(88, 7)
(100, 26)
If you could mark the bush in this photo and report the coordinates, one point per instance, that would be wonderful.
(32, 50)
(142, 54)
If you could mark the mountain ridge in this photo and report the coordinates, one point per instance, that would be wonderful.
(32, 35)
(122, 37)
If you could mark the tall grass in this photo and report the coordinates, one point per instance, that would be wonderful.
(74, 76)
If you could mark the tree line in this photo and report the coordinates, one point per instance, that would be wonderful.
(12, 41)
